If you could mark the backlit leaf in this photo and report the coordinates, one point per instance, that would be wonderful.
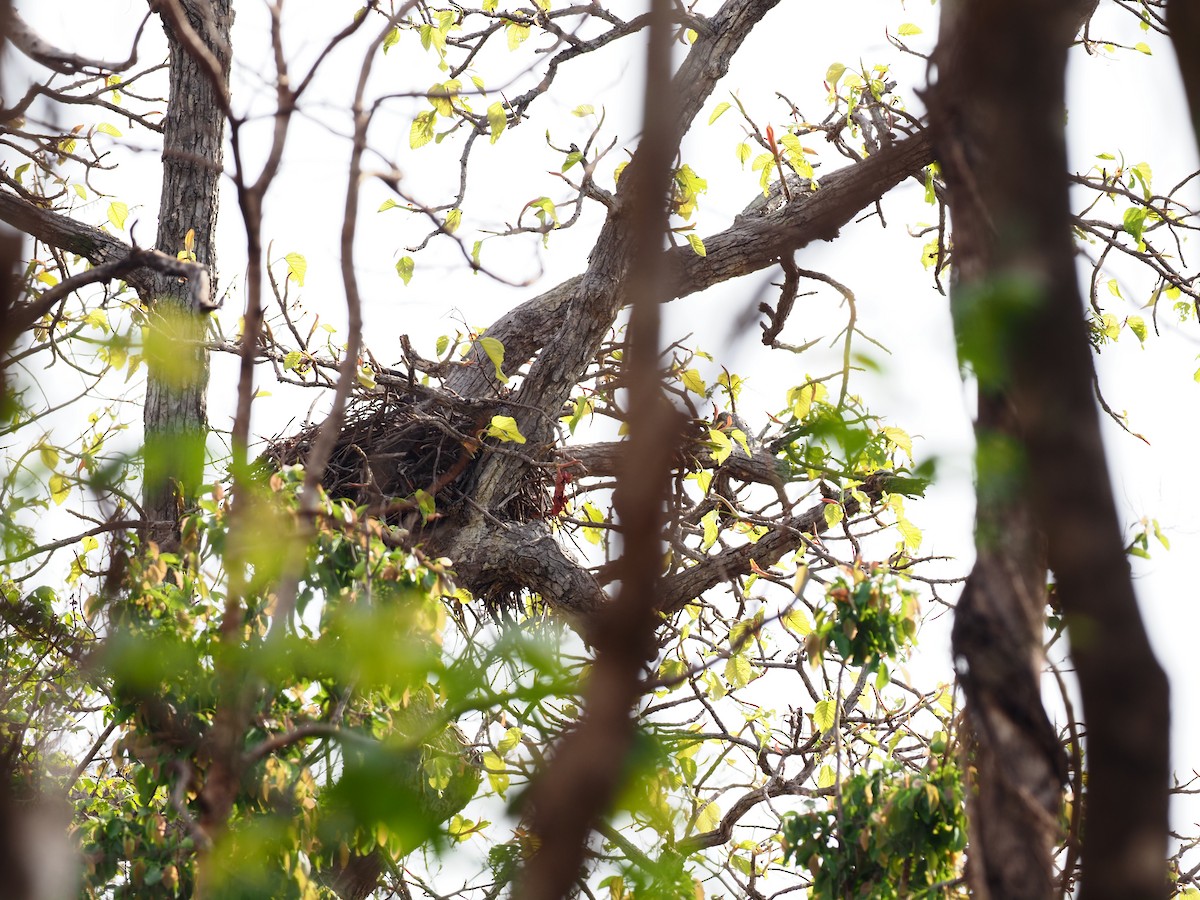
(297, 268)
(505, 429)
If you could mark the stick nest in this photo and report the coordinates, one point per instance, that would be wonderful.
(390, 447)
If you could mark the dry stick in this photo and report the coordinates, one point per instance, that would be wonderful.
(577, 788)
(322, 449)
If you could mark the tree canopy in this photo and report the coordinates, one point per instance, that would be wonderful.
(602, 587)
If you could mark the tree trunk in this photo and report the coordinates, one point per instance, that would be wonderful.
(175, 416)
(997, 112)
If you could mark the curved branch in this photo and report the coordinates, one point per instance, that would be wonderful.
(37, 48)
(682, 587)
(751, 244)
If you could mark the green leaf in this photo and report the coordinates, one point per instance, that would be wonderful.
(118, 212)
(505, 429)
(1138, 326)
(797, 622)
(833, 513)
(297, 268)
(1162, 538)
(738, 671)
(405, 268)
(824, 714)
(49, 457)
(497, 772)
(709, 523)
(1134, 221)
(511, 738)
(826, 778)
(834, 73)
(1110, 326)
(443, 342)
(392, 39)
(718, 112)
(421, 132)
(723, 446)
(708, 818)
(910, 533)
(743, 153)
(495, 352)
(497, 118)
(1144, 176)
(292, 361)
(60, 488)
(692, 381)
(908, 29)
(899, 438)
(697, 244)
(389, 204)
(453, 220)
(517, 34)
(425, 504)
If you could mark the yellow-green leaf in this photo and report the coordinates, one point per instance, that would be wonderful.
(421, 132)
(833, 513)
(511, 738)
(708, 818)
(59, 488)
(718, 112)
(738, 671)
(1143, 47)
(89, 543)
(118, 212)
(110, 130)
(834, 73)
(49, 457)
(797, 622)
(723, 445)
(453, 220)
(908, 29)
(297, 268)
(1138, 326)
(497, 119)
(584, 109)
(692, 381)
(516, 34)
(823, 715)
(405, 268)
(826, 778)
(709, 523)
(697, 244)
(505, 429)
(495, 352)
(899, 438)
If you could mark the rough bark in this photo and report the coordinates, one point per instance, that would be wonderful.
(584, 773)
(175, 414)
(997, 112)
(751, 244)
(1183, 23)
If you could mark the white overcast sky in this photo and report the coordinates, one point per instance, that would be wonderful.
(1125, 102)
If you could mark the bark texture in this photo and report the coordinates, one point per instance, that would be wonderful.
(175, 414)
(997, 112)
